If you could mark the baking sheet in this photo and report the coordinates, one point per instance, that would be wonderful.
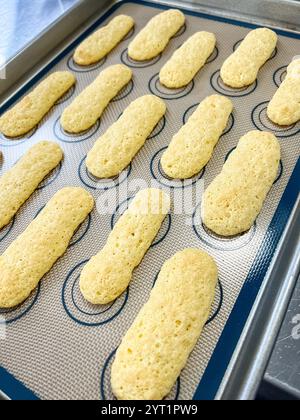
(58, 346)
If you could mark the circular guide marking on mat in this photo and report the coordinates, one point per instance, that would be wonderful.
(279, 75)
(65, 137)
(217, 304)
(79, 233)
(156, 88)
(218, 242)
(238, 43)
(16, 141)
(83, 312)
(163, 232)
(15, 314)
(138, 64)
(105, 382)
(5, 231)
(101, 184)
(280, 168)
(188, 113)
(159, 175)
(219, 86)
(262, 122)
(84, 69)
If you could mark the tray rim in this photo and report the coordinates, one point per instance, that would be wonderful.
(211, 390)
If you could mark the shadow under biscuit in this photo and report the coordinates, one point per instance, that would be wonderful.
(95, 183)
(5, 231)
(51, 177)
(9, 316)
(84, 69)
(67, 137)
(215, 241)
(105, 382)
(16, 141)
(159, 175)
(156, 88)
(219, 86)
(262, 122)
(138, 64)
(83, 312)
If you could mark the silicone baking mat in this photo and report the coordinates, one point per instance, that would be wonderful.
(57, 345)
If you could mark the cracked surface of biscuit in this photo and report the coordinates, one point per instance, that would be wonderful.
(155, 36)
(90, 104)
(27, 113)
(284, 108)
(45, 240)
(108, 274)
(17, 184)
(157, 345)
(235, 198)
(103, 41)
(242, 67)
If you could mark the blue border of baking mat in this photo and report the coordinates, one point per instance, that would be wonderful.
(221, 357)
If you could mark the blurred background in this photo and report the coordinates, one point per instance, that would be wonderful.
(23, 20)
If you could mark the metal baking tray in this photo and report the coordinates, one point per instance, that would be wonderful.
(52, 352)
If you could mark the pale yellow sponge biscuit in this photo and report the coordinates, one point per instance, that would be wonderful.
(192, 147)
(17, 185)
(89, 105)
(157, 346)
(284, 108)
(46, 239)
(26, 114)
(235, 198)
(101, 42)
(185, 63)
(155, 36)
(116, 148)
(242, 67)
(108, 274)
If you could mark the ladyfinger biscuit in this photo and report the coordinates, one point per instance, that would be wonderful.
(192, 147)
(88, 107)
(108, 274)
(157, 345)
(153, 39)
(185, 63)
(101, 42)
(235, 198)
(46, 239)
(24, 116)
(284, 108)
(114, 151)
(17, 185)
(242, 67)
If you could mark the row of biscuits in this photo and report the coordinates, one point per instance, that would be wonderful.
(157, 346)
(239, 70)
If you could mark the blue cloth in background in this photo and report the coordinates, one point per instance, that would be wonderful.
(22, 20)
